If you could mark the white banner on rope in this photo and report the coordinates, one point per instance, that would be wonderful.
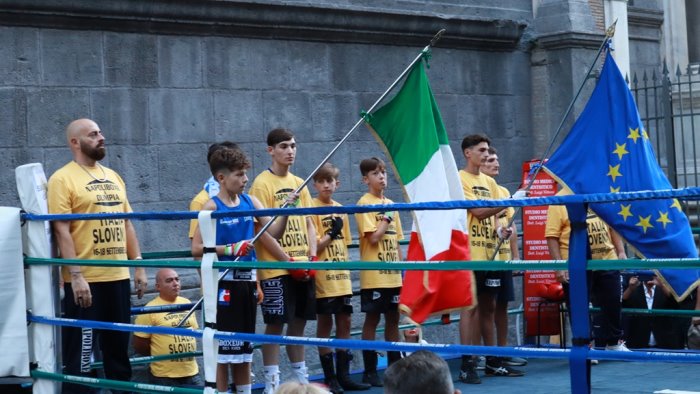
(14, 339)
(41, 285)
(210, 284)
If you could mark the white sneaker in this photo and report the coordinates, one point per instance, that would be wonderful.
(620, 347)
(481, 364)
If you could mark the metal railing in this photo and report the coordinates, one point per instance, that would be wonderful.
(669, 106)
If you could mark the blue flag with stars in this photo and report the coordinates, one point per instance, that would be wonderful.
(608, 151)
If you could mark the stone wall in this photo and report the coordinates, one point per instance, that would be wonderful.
(165, 80)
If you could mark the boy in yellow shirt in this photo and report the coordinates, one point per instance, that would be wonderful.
(333, 287)
(380, 233)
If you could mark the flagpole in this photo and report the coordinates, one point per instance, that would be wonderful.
(347, 135)
(609, 33)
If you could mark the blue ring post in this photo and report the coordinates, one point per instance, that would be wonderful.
(579, 366)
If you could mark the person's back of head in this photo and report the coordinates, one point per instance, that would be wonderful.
(300, 388)
(421, 372)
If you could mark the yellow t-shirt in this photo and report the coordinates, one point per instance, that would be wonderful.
(332, 283)
(72, 189)
(558, 226)
(482, 233)
(504, 218)
(272, 190)
(387, 249)
(197, 204)
(170, 344)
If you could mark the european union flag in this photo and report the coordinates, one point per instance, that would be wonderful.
(608, 151)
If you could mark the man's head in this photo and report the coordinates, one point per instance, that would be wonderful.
(475, 148)
(491, 167)
(229, 167)
(168, 284)
(421, 372)
(86, 141)
(281, 146)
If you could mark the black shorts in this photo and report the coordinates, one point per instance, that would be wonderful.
(380, 300)
(235, 312)
(334, 305)
(285, 298)
(494, 283)
(507, 292)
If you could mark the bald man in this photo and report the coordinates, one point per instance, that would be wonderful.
(178, 372)
(94, 293)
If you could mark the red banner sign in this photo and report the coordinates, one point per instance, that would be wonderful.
(540, 287)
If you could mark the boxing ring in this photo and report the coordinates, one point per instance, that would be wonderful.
(42, 305)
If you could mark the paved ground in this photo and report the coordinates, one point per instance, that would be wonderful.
(552, 377)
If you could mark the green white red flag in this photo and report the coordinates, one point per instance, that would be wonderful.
(410, 129)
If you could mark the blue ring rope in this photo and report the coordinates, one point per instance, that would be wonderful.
(689, 357)
(689, 193)
(142, 310)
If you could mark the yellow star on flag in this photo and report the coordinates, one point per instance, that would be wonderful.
(614, 172)
(625, 211)
(663, 218)
(645, 135)
(644, 223)
(676, 204)
(620, 150)
(614, 189)
(634, 134)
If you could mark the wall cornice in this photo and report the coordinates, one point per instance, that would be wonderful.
(267, 21)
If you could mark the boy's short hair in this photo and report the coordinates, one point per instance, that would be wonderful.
(421, 372)
(371, 164)
(492, 150)
(275, 136)
(327, 172)
(473, 140)
(218, 145)
(227, 159)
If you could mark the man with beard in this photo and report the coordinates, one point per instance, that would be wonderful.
(94, 293)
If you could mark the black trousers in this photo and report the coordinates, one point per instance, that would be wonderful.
(605, 291)
(111, 302)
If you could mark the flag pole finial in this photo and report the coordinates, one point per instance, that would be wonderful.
(610, 32)
(436, 37)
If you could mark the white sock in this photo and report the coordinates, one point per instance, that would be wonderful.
(301, 372)
(243, 388)
(272, 378)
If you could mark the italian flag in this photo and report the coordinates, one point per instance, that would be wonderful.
(413, 136)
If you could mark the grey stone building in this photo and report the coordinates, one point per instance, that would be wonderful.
(164, 79)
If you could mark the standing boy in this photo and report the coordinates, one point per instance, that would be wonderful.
(380, 233)
(289, 295)
(605, 285)
(483, 233)
(238, 293)
(333, 287)
(508, 251)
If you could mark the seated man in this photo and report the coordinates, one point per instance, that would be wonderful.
(177, 372)
(421, 372)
